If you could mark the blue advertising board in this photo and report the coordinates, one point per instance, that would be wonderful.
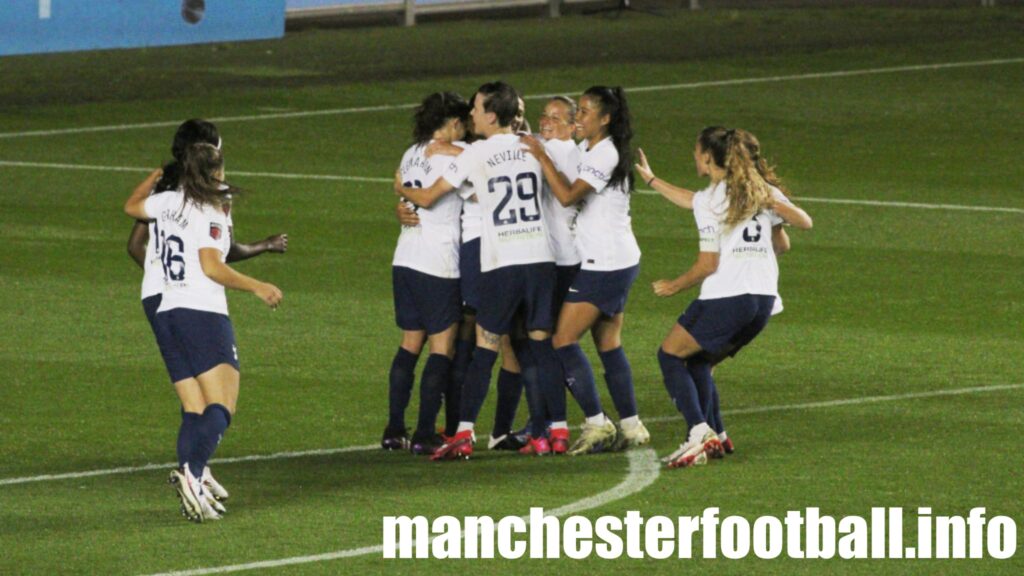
(30, 26)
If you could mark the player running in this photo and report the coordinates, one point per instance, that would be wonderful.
(517, 266)
(738, 274)
(196, 339)
(780, 244)
(610, 255)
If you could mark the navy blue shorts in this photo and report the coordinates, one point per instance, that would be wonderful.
(469, 274)
(168, 350)
(565, 276)
(424, 302)
(194, 341)
(527, 288)
(607, 291)
(722, 326)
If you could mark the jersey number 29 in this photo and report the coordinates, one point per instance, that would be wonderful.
(526, 188)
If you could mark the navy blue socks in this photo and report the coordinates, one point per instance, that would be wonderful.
(700, 371)
(432, 388)
(619, 376)
(208, 433)
(580, 378)
(681, 387)
(186, 435)
(453, 393)
(510, 389)
(400, 380)
(478, 380)
(551, 382)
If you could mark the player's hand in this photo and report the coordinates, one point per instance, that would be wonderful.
(406, 215)
(643, 168)
(270, 294)
(665, 288)
(446, 148)
(532, 145)
(278, 243)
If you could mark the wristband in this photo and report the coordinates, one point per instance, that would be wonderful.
(653, 178)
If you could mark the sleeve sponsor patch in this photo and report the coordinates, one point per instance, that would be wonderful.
(215, 230)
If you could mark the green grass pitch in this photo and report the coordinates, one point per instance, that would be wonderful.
(881, 300)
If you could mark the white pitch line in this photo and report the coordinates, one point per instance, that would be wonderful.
(855, 401)
(636, 89)
(372, 179)
(169, 465)
(921, 205)
(369, 447)
(278, 175)
(644, 470)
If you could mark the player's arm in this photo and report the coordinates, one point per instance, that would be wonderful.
(567, 194)
(137, 241)
(679, 196)
(424, 197)
(706, 265)
(791, 213)
(277, 244)
(135, 205)
(445, 148)
(780, 240)
(228, 277)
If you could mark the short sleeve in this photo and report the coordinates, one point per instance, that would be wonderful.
(459, 169)
(154, 204)
(708, 226)
(212, 225)
(778, 196)
(597, 165)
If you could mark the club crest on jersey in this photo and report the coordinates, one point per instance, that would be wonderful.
(215, 231)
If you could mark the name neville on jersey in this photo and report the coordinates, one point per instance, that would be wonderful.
(513, 155)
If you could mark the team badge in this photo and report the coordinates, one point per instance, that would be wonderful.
(215, 230)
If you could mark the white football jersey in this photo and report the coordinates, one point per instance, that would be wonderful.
(604, 230)
(746, 263)
(561, 220)
(432, 247)
(507, 182)
(182, 229)
(152, 268)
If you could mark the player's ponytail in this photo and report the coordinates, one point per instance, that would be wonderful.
(620, 129)
(190, 132)
(434, 112)
(201, 172)
(767, 171)
(745, 189)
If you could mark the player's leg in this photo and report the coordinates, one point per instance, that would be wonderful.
(618, 375)
(494, 320)
(573, 321)
(510, 390)
(435, 379)
(465, 343)
(402, 374)
(192, 406)
(701, 439)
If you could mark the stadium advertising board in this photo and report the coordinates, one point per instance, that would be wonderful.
(32, 26)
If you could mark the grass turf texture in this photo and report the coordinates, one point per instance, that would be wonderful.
(879, 300)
